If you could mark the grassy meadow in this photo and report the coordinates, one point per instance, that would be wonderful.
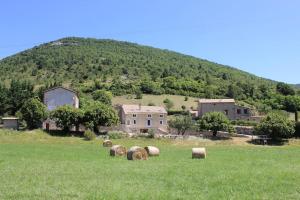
(157, 100)
(34, 165)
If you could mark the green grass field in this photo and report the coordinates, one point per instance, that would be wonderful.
(157, 100)
(34, 165)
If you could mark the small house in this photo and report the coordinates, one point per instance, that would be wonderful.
(10, 123)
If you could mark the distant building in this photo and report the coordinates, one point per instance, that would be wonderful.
(227, 106)
(10, 123)
(59, 96)
(55, 97)
(141, 119)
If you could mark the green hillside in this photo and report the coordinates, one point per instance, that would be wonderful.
(124, 67)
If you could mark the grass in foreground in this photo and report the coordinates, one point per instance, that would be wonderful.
(34, 165)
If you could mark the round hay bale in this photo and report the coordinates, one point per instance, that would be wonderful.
(152, 151)
(107, 143)
(117, 150)
(137, 153)
(198, 153)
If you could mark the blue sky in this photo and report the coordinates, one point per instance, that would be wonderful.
(258, 36)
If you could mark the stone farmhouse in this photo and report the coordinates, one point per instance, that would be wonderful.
(141, 119)
(55, 97)
(227, 106)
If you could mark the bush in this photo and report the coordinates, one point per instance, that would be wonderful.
(151, 104)
(116, 135)
(138, 94)
(186, 98)
(151, 134)
(89, 135)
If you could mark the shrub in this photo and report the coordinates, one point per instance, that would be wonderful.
(138, 94)
(186, 98)
(89, 135)
(151, 104)
(103, 96)
(116, 135)
(151, 133)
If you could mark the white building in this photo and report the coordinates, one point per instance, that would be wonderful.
(55, 97)
(59, 96)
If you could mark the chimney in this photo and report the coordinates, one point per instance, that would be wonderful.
(140, 106)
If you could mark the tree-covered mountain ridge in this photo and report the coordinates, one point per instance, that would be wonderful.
(123, 67)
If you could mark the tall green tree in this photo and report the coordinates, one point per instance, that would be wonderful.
(99, 114)
(67, 116)
(215, 121)
(3, 99)
(33, 112)
(181, 123)
(19, 92)
(276, 126)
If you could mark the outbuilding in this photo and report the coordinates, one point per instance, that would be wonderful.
(10, 122)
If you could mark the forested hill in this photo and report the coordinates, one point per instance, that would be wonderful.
(124, 67)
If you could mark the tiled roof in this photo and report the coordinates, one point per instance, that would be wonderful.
(143, 109)
(50, 89)
(216, 101)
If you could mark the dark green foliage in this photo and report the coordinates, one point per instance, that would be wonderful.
(151, 104)
(285, 89)
(33, 112)
(181, 123)
(98, 114)
(19, 92)
(186, 98)
(3, 99)
(67, 116)
(297, 130)
(215, 121)
(276, 126)
(102, 96)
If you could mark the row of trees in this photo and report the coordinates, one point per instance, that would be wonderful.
(92, 115)
(275, 125)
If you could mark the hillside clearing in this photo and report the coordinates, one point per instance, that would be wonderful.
(34, 165)
(157, 100)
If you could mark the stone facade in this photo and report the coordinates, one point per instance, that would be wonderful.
(227, 106)
(139, 119)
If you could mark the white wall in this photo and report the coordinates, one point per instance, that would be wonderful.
(59, 97)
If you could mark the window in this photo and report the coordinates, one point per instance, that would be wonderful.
(161, 115)
(245, 111)
(161, 122)
(226, 112)
(133, 115)
(134, 121)
(238, 111)
(128, 122)
(149, 115)
(148, 122)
